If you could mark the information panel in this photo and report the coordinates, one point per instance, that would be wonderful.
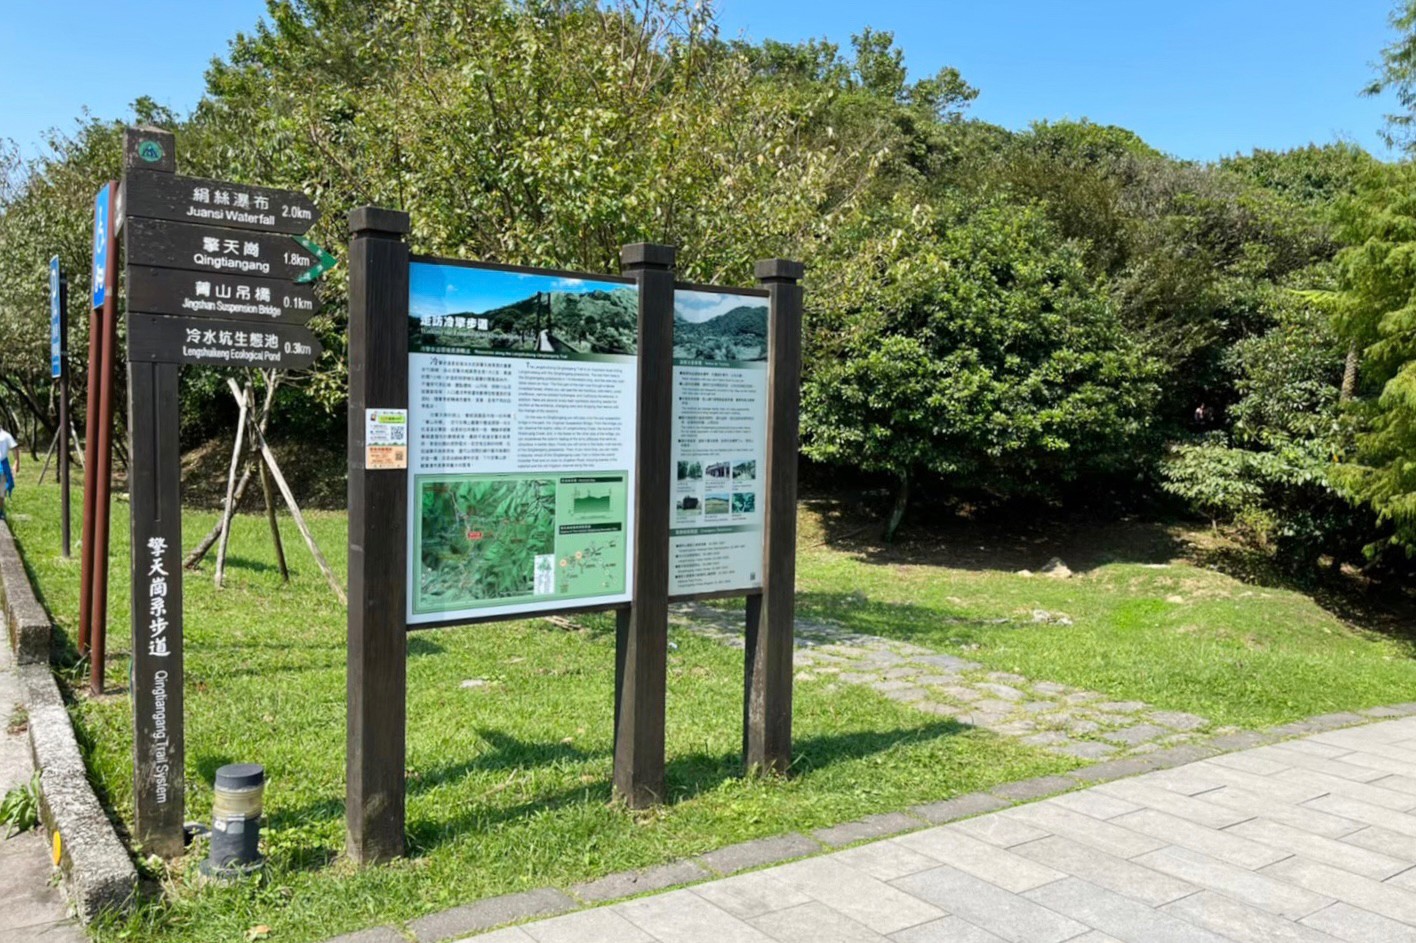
(521, 430)
(719, 441)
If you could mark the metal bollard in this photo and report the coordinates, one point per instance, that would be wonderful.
(236, 822)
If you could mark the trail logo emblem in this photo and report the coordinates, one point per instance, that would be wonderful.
(150, 151)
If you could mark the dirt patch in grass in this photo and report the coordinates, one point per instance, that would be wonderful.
(317, 474)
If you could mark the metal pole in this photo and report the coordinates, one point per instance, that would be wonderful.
(86, 545)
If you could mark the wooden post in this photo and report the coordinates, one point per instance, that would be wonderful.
(258, 425)
(642, 632)
(243, 397)
(48, 454)
(267, 488)
(268, 492)
(64, 510)
(268, 457)
(155, 559)
(771, 616)
(378, 534)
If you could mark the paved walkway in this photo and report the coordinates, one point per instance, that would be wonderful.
(1055, 717)
(1309, 841)
(32, 908)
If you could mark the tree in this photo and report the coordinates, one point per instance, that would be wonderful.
(46, 209)
(1378, 277)
(1188, 251)
(968, 342)
(545, 133)
(1398, 75)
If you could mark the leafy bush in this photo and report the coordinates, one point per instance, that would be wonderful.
(1273, 472)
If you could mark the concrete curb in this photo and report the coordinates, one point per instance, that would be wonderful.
(98, 873)
(26, 620)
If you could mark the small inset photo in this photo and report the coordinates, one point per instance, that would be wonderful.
(745, 502)
(745, 470)
(716, 504)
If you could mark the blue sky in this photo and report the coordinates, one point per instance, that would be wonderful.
(1201, 79)
(455, 289)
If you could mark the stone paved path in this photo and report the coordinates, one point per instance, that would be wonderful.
(1305, 841)
(32, 909)
(1046, 714)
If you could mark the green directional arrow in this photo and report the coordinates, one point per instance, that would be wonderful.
(323, 261)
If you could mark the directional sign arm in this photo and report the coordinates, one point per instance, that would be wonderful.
(218, 203)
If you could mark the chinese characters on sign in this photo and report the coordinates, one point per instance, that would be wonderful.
(101, 231)
(216, 295)
(156, 618)
(220, 203)
(220, 343)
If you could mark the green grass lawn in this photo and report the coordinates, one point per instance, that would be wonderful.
(509, 780)
(509, 777)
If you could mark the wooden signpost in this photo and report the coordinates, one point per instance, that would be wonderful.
(213, 278)
(453, 376)
(216, 276)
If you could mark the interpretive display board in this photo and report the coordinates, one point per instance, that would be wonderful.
(522, 412)
(574, 443)
(719, 441)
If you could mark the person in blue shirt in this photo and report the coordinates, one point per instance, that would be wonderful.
(9, 464)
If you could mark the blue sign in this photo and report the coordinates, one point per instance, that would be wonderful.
(100, 244)
(56, 337)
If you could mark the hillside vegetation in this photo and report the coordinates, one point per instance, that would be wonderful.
(991, 315)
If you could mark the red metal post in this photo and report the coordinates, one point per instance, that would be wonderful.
(86, 541)
(99, 607)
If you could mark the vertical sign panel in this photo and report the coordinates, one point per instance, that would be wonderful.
(56, 336)
(719, 442)
(101, 239)
(156, 568)
(521, 417)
